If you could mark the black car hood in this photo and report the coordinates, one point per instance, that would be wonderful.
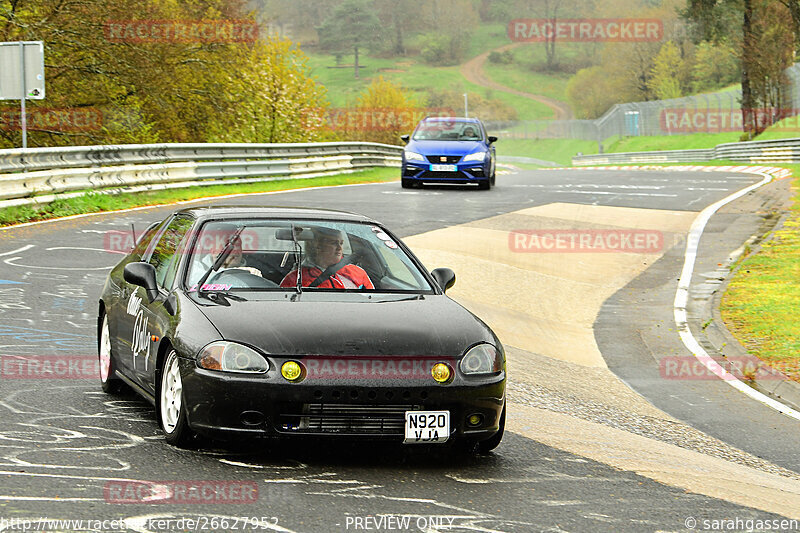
(432, 325)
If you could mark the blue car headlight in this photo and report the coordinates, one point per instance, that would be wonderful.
(413, 156)
(481, 359)
(231, 357)
(477, 156)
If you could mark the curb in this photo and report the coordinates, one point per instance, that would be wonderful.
(698, 341)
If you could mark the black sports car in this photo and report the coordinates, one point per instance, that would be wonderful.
(211, 320)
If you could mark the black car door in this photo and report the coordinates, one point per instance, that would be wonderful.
(124, 298)
(150, 320)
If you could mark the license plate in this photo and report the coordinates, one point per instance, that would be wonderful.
(443, 168)
(427, 427)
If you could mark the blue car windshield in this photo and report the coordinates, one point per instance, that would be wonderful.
(441, 130)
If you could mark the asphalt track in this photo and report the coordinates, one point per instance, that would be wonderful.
(62, 442)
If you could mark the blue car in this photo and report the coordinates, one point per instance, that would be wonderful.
(449, 150)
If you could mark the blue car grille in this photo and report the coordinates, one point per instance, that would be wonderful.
(444, 159)
(444, 176)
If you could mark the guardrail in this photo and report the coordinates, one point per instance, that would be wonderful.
(775, 151)
(36, 171)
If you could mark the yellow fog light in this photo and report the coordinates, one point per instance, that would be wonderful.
(474, 420)
(291, 370)
(441, 372)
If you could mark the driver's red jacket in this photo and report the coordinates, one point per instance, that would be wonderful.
(348, 277)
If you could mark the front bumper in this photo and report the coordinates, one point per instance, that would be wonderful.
(470, 172)
(228, 405)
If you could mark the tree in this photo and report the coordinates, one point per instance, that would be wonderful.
(383, 112)
(167, 90)
(742, 24)
(665, 82)
(590, 92)
(715, 66)
(272, 99)
(397, 21)
(351, 26)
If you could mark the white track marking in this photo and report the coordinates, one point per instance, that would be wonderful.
(47, 499)
(89, 249)
(682, 297)
(9, 262)
(17, 251)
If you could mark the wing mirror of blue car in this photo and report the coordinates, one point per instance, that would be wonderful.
(492, 139)
(445, 277)
(143, 275)
(405, 138)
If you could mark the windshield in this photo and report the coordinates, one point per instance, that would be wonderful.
(334, 256)
(441, 130)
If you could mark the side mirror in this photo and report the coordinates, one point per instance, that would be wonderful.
(445, 277)
(492, 139)
(171, 304)
(405, 138)
(143, 275)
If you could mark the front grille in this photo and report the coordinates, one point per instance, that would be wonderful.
(344, 419)
(444, 175)
(444, 159)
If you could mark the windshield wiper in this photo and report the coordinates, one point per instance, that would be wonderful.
(298, 256)
(220, 259)
(224, 296)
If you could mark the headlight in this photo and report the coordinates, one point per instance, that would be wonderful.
(477, 156)
(231, 357)
(413, 156)
(481, 359)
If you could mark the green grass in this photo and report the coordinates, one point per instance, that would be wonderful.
(487, 37)
(521, 75)
(762, 302)
(516, 77)
(556, 150)
(413, 75)
(94, 202)
(670, 142)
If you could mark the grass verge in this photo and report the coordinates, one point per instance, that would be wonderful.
(762, 302)
(94, 202)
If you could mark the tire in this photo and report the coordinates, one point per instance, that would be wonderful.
(406, 184)
(171, 407)
(485, 185)
(492, 178)
(109, 381)
(494, 441)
